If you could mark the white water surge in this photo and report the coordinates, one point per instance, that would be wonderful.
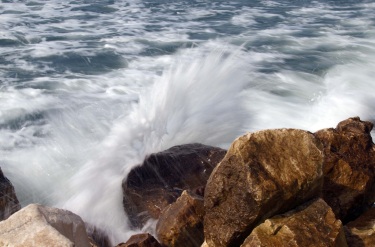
(198, 100)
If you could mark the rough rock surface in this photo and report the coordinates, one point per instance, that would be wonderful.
(8, 200)
(163, 176)
(361, 232)
(349, 168)
(41, 226)
(181, 223)
(263, 174)
(97, 237)
(141, 240)
(93, 243)
(312, 224)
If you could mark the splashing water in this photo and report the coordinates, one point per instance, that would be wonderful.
(197, 100)
(209, 100)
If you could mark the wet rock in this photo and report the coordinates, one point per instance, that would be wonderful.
(8, 200)
(141, 240)
(349, 168)
(181, 223)
(361, 232)
(163, 176)
(41, 226)
(263, 174)
(97, 237)
(93, 243)
(312, 224)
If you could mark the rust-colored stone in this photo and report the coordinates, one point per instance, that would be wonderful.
(141, 240)
(181, 223)
(349, 167)
(8, 200)
(262, 174)
(163, 176)
(361, 232)
(312, 224)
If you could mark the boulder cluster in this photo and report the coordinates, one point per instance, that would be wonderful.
(280, 187)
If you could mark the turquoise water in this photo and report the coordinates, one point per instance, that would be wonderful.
(88, 88)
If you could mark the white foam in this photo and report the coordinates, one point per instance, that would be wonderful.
(181, 107)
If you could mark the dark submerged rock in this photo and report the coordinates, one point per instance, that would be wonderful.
(162, 177)
(9, 203)
(181, 223)
(262, 174)
(349, 167)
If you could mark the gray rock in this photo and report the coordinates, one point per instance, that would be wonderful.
(41, 226)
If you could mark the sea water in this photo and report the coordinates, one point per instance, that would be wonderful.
(89, 88)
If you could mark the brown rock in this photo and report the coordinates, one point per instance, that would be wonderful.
(361, 232)
(312, 224)
(140, 240)
(181, 223)
(8, 200)
(163, 176)
(349, 168)
(262, 174)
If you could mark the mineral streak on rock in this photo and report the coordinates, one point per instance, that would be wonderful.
(262, 174)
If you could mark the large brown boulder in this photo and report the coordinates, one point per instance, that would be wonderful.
(163, 176)
(8, 200)
(361, 232)
(181, 223)
(263, 174)
(312, 224)
(141, 240)
(40, 226)
(349, 167)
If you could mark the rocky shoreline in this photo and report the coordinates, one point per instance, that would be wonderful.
(281, 187)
